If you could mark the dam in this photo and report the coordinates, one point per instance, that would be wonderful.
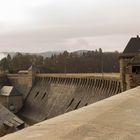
(33, 97)
(63, 93)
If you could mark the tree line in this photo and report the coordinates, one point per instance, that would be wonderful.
(87, 62)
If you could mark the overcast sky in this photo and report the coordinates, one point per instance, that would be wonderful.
(50, 25)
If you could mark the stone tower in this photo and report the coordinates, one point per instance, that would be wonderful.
(31, 74)
(130, 64)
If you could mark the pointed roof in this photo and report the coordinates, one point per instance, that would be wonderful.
(9, 91)
(133, 46)
(32, 68)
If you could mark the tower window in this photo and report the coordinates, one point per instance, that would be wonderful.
(136, 69)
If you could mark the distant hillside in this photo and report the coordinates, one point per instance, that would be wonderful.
(2, 55)
(44, 54)
(80, 52)
(89, 62)
(49, 53)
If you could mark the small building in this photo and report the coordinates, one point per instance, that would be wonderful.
(130, 64)
(11, 98)
(9, 122)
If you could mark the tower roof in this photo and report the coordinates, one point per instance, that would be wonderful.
(32, 68)
(9, 91)
(133, 46)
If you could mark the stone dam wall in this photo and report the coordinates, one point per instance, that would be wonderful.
(51, 95)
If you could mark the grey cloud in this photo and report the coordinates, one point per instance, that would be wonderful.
(74, 24)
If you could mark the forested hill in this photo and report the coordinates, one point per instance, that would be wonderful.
(86, 62)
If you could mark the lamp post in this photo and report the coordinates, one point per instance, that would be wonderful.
(102, 63)
(102, 66)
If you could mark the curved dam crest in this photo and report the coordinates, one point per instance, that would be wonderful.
(52, 96)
